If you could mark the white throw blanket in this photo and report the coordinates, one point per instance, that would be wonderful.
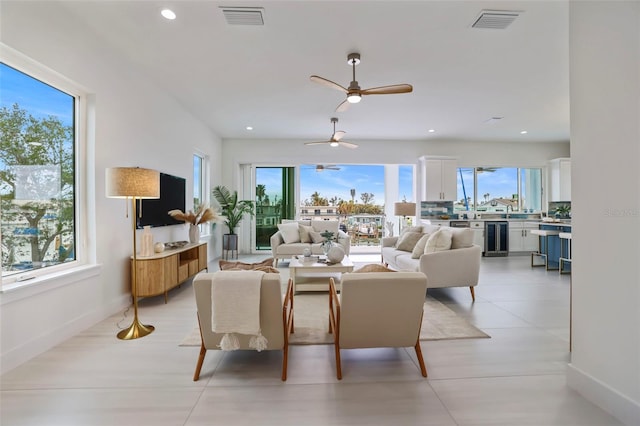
(235, 302)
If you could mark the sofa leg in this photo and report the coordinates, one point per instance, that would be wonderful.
(473, 293)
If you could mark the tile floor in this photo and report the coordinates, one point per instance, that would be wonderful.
(515, 378)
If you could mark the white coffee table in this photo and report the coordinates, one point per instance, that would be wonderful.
(314, 276)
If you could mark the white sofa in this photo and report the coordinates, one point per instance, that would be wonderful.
(291, 240)
(455, 266)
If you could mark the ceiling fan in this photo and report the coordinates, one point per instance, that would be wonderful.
(322, 167)
(335, 138)
(354, 92)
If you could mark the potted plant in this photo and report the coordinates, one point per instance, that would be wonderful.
(232, 209)
(563, 211)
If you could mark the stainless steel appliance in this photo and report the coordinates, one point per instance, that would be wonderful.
(496, 238)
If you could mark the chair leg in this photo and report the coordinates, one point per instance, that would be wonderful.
(338, 364)
(473, 293)
(203, 352)
(285, 355)
(423, 368)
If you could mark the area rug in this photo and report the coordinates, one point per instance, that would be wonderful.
(312, 323)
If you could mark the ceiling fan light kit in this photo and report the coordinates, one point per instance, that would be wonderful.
(335, 141)
(354, 92)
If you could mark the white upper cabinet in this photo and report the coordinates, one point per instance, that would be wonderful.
(560, 179)
(440, 179)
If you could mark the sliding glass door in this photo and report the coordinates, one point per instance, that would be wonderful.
(275, 200)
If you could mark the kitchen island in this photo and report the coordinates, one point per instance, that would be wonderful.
(554, 246)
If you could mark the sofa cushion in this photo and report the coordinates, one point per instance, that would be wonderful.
(293, 248)
(461, 237)
(418, 250)
(326, 225)
(305, 233)
(408, 240)
(404, 262)
(438, 241)
(290, 232)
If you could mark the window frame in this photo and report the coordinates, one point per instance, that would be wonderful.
(84, 252)
(205, 197)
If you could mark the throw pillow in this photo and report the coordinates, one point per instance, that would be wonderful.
(305, 236)
(461, 237)
(326, 225)
(418, 250)
(374, 267)
(438, 241)
(408, 241)
(290, 233)
(411, 229)
(316, 237)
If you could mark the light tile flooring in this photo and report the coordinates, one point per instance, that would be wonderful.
(515, 378)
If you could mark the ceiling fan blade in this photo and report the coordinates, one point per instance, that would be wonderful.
(388, 90)
(343, 106)
(317, 143)
(328, 83)
(338, 135)
(348, 145)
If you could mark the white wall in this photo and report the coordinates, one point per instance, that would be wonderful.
(293, 152)
(136, 124)
(605, 152)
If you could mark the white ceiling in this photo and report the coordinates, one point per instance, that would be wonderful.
(234, 76)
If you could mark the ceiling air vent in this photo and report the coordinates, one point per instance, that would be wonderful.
(495, 19)
(243, 15)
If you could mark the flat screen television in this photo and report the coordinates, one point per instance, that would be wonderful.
(172, 196)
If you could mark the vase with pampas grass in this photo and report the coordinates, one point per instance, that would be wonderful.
(202, 214)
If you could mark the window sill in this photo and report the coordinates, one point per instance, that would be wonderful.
(22, 289)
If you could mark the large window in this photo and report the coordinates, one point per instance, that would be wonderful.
(274, 202)
(38, 137)
(499, 189)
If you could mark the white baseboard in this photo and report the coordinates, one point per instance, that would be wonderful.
(23, 353)
(618, 405)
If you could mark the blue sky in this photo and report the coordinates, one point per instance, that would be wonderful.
(39, 99)
(338, 183)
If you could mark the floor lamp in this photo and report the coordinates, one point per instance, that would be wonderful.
(133, 183)
(404, 209)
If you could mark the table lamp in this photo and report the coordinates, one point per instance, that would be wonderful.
(133, 183)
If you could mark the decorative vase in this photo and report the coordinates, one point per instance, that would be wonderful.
(194, 234)
(335, 254)
(146, 248)
(326, 246)
(158, 247)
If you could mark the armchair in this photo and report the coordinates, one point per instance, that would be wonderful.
(276, 316)
(377, 309)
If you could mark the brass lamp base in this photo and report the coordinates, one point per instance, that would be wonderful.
(135, 331)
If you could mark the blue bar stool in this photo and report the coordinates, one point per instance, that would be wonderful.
(565, 257)
(543, 246)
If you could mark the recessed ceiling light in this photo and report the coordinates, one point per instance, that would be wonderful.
(523, 132)
(168, 14)
(249, 128)
(432, 130)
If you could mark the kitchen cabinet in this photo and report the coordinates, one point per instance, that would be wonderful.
(478, 232)
(559, 179)
(440, 180)
(520, 237)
